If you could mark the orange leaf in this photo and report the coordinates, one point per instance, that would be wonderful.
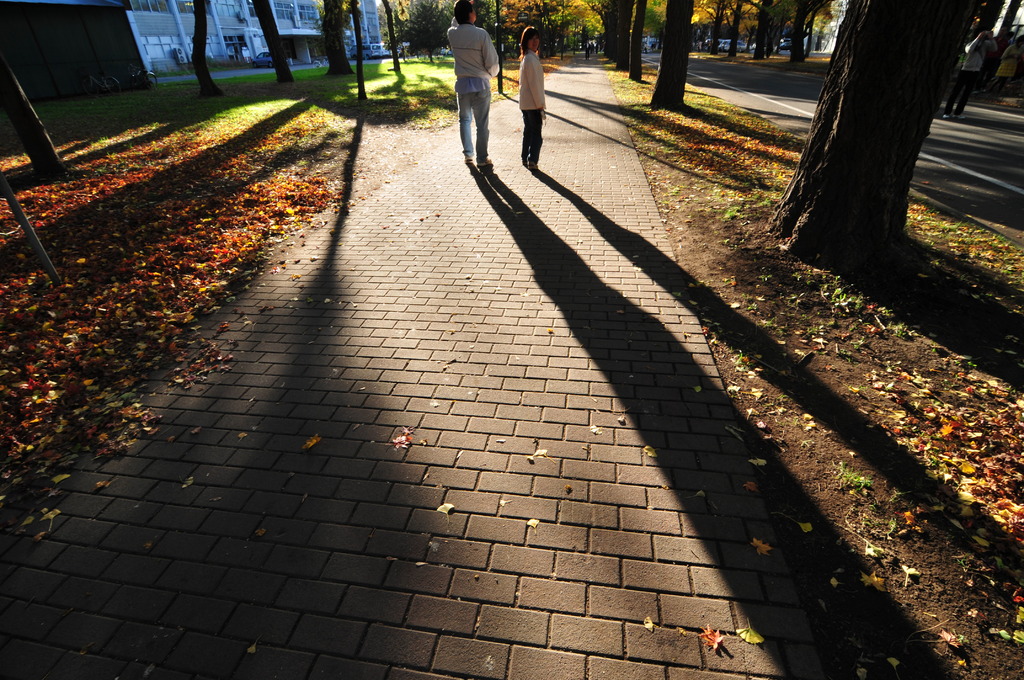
(751, 487)
(311, 442)
(761, 547)
(712, 638)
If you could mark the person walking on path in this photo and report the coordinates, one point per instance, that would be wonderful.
(476, 62)
(968, 75)
(1008, 65)
(531, 96)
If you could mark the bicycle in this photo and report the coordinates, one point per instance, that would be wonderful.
(139, 79)
(103, 85)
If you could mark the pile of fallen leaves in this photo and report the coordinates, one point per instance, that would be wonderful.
(148, 230)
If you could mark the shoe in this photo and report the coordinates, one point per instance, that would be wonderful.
(946, 116)
(469, 160)
(960, 117)
(532, 166)
(485, 163)
(526, 163)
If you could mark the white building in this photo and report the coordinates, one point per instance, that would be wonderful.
(163, 30)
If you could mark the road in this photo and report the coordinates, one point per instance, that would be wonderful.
(972, 166)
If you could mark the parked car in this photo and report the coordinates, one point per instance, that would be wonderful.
(263, 60)
(785, 45)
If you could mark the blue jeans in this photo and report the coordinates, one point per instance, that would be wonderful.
(533, 123)
(474, 105)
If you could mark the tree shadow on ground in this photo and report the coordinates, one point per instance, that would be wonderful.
(633, 339)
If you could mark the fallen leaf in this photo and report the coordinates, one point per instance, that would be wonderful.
(758, 461)
(101, 485)
(446, 508)
(750, 635)
(949, 638)
(533, 523)
(909, 571)
(649, 624)
(751, 487)
(187, 483)
(595, 429)
(805, 527)
(260, 532)
(873, 581)
(251, 649)
(649, 450)
(893, 661)
(712, 638)
(311, 442)
(539, 453)
(761, 547)
(873, 551)
(49, 515)
(59, 478)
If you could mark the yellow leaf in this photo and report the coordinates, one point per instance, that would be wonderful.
(648, 623)
(539, 453)
(650, 451)
(251, 649)
(59, 478)
(805, 526)
(187, 483)
(893, 661)
(873, 581)
(446, 508)
(50, 515)
(311, 442)
(595, 429)
(533, 523)
(761, 547)
(750, 635)
(758, 461)
(834, 582)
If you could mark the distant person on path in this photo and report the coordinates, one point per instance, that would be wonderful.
(968, 75)
(476, 62)
(1009, 62)
(531, 96)
(586, 49)
(992, 58)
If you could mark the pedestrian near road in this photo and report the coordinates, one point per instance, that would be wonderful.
(1008, 64)
(476, 62)
(968, 75)
(531, 96)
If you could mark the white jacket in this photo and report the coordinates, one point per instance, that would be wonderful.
(531, 82)
(473, 51)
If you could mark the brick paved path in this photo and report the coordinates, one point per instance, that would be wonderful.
(498, 315)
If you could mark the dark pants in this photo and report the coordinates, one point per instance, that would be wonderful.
(533, 122)
(965, 81)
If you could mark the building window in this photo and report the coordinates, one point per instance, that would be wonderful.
(308, 13)
(186, 7)
(283, 10)
(149, 5)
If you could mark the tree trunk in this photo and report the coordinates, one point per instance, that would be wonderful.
(265, 15)
(207, 88)
(610, 23)
(390, 15)
(736, 16)
(1012, 7)
(846, 206)
(360, 79)
(636, 64)
(625, 13)
(334, 39)
(675, 53)
(29, 128)
(796, 49)
(763, 49)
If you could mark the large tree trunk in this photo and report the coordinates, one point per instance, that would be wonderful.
(334, 39)
(624, 14)
(360, 79)
(390, 15)
(265, 15)
(1012, 7)
(846, 206)
(796, 49)
(207, 88)
(675, 53)
(29, 128)
(610, 23)
(636, 64)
